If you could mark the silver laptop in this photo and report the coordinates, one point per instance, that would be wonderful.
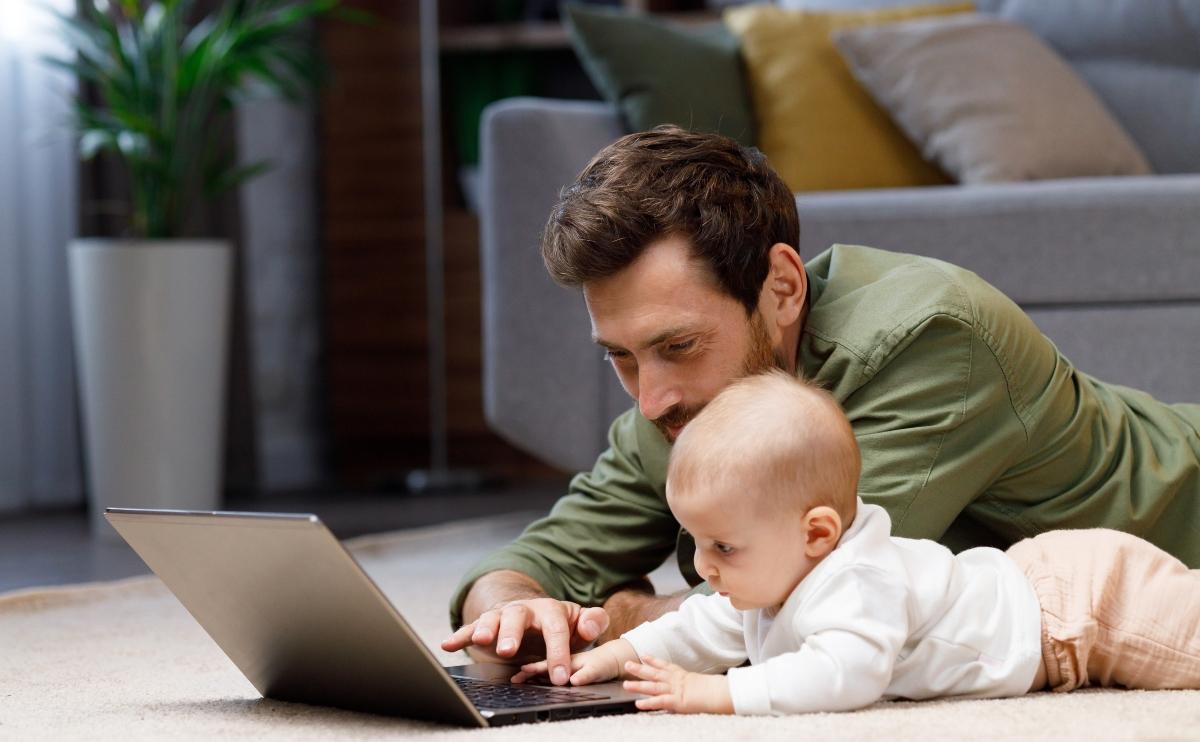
(303, 622)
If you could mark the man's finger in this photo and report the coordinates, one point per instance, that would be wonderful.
(592, 623)
(459, 639)
(557, 633)
(485, 628)
(513, 621)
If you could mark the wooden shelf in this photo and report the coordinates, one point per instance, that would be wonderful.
(492, 37)
(504, 36)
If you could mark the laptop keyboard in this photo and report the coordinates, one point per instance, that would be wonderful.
(492, 695)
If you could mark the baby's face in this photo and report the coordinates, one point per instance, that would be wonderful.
(754, 556)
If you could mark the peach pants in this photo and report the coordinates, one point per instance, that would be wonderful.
(1116, 610)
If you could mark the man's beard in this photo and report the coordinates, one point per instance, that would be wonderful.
(761, 356)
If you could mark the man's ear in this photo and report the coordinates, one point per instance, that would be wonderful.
(822, 529)
(785, 289)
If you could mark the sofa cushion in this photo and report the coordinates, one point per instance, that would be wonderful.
(817, 126)
(1048, 242)
(1142, 57)
(988, 101)
(650, 70)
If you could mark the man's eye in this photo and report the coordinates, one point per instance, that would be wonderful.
(615, 355)
(681, 347)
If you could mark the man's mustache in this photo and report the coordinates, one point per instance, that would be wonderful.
(675, 417)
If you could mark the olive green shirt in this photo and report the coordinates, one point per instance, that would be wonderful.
(973, 430)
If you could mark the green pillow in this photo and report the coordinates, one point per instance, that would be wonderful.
(661, 73)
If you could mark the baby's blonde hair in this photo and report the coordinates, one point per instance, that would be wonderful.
(783, 440)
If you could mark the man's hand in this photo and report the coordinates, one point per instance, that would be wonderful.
(671, 688)
(594, 666)
(562, 625)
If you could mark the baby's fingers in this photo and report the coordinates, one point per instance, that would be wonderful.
(644, 671)
(656, 703)
(647, 687)
(584, 675)
(531, 670)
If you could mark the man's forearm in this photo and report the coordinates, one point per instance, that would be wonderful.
(495, 588)
(629, 608)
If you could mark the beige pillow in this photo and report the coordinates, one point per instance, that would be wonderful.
(988, 101)
(818, 128)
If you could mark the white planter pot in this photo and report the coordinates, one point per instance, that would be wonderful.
(151, 342)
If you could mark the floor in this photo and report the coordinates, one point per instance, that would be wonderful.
(55, 547)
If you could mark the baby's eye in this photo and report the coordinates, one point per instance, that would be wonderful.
(723, 548)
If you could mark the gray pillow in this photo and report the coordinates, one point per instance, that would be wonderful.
(659, 72)
(987, 100)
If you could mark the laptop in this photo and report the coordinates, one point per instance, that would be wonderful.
(295, 612)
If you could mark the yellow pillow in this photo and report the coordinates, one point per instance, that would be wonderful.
(817, 126)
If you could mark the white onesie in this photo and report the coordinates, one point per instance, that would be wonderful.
(879, 617)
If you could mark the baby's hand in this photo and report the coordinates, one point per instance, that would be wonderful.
(594, 666)
(671, 688)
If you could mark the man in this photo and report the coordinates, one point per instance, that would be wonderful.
(973, 428)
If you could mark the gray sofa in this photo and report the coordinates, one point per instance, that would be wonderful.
(1109, 268)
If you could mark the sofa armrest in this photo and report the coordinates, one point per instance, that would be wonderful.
(546, 387)
(1085, 240)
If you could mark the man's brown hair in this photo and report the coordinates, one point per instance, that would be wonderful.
(722, 197)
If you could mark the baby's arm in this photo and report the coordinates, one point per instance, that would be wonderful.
(680, 651)
(853, 628)
(705, 635)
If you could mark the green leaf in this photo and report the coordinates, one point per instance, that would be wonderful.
(152, 18)
(130, 9)
(229, 178)
(93, 141)
(132, 144)
(84, 71)
(164, 81)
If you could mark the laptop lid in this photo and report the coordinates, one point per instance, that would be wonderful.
(295, 612)
(246, 578)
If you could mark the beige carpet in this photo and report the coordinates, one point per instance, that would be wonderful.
(125, 660)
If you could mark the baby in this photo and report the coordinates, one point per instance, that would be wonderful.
(834, 613)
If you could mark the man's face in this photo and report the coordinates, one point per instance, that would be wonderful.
(673, 337)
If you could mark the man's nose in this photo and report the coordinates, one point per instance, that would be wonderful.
(657, 393)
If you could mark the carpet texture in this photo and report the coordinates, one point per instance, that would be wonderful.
(125, 660)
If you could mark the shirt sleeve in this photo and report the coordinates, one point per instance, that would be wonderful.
(704, 635)
(854, 626)
(936, 425)
(612, 527)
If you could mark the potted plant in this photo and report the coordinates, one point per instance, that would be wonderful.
(151, 309)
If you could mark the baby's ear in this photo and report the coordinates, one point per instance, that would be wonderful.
(822, 529)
